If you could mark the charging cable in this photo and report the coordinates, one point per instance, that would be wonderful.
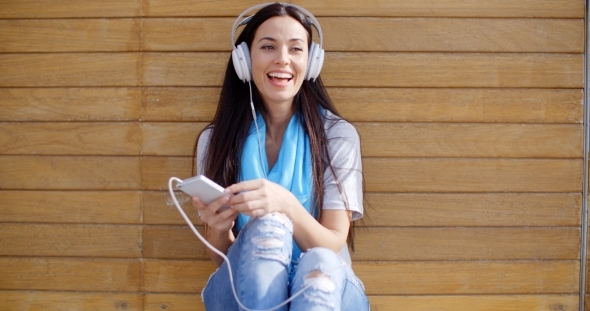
(231, 280)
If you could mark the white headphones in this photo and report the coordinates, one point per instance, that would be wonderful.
(241, 53)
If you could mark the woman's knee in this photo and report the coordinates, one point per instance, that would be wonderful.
(270, 237)
(320, 256)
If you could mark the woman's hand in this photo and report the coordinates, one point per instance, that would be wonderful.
(259, 197)
(218, 221)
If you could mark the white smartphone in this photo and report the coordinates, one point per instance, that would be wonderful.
(204, 188)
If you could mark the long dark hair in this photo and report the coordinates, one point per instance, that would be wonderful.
(231, 123)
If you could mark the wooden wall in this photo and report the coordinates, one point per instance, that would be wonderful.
(470, 114)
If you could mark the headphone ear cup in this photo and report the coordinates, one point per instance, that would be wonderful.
(315, 62)
(242, 63)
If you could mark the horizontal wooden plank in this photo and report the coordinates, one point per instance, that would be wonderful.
(459, 105)
(424, 174)
(59, 301)
(184, 69)
(403, 34)
(410, 140)
(55, 274)
(70, 240)
(467, 244)
(403, 277)
(115, 207)
(472, 175)
(423, 278)
(453, 35)
(167, 276)
(71, 138)
(394, 104)
(72, 173)
(179, 103)
(177, 139)
(476, 303)
(174, 242)
(178, 242)
(447, 8)
(70, 35)
(473, 209)
(70, 69)
(453, 70)
(470, 140)
(159, 209)
(156, 171)
(172, 302)
(70, 104)
(351, 69)
(56, 9)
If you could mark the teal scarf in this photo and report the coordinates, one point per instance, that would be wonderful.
(292, 169)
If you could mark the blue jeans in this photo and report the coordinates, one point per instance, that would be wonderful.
(265, 276)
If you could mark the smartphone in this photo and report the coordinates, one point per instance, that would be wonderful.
(204, 188)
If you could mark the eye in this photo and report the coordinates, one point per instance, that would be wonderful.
(297, 48)
(267, 47)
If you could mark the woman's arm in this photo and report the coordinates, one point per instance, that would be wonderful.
(259, 197)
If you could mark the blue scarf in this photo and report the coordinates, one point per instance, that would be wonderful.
(292, 169)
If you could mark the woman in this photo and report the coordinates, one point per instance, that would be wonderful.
(294, 175)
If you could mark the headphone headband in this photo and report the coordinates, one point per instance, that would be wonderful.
(239, 23)
(241, 53)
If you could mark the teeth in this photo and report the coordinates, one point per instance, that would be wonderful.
(280, 75)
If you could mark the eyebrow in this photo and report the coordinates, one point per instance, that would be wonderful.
(274, 40)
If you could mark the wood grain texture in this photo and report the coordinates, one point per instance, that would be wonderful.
(394, 104)
(70, 35)
(59, 301)
(456, 278)
(173, 302)
(351, 69)
(40, 240)
(472, 175)
(172, 242)
(476, 303)
(470, 140)
(70, 104)
(180, 103)
(177, 139)
(71, 173)
(159, 209)
(410, 244)
(178, 302)
(176, 276)
(70, 69)
(453, 70)
(424, 174)
(54, 274)
(114, 207)
(404, 278)
(447, 8)
(459, 105)
(79, 138)
(59, 9)
(156, 171)
(184, 69)
(475, 209)
(387, 34)
(467, 244)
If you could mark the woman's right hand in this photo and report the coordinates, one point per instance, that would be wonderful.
(221, 222)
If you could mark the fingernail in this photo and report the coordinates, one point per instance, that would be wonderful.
(226, 190)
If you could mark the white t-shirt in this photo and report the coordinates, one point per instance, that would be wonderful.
(345, 153)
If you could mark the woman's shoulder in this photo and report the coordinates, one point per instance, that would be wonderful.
(337, 127)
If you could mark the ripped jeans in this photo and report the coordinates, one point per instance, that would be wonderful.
(261, 265)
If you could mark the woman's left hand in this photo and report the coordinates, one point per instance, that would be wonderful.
(260, 196)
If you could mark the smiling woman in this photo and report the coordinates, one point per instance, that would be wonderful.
(295, 174)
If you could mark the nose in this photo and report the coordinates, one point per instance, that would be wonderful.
(282, 56)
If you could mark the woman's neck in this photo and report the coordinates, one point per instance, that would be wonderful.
(275, 130)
